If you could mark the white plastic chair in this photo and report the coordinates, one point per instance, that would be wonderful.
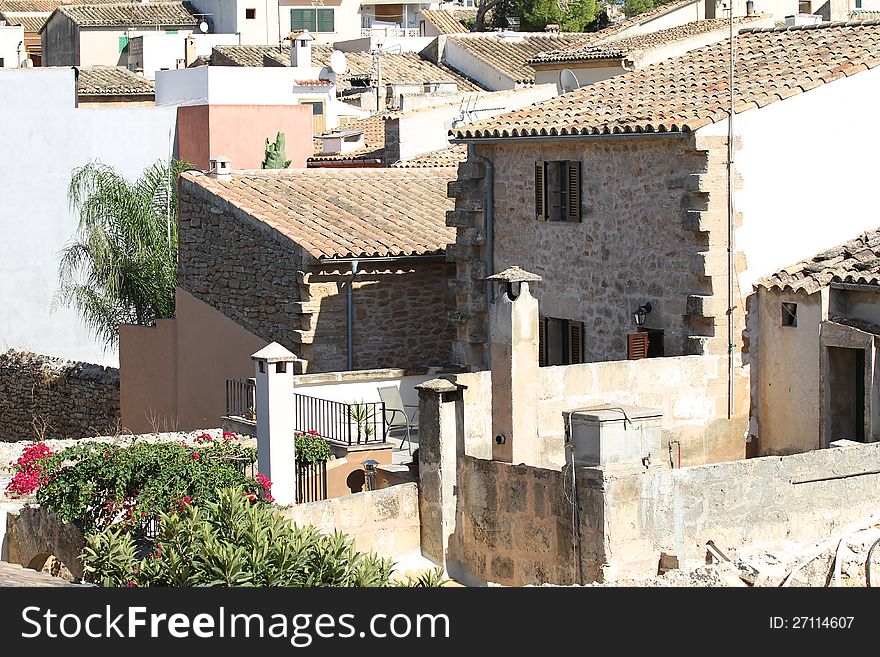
(397, 419)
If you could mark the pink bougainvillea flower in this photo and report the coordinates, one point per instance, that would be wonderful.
(195, 456)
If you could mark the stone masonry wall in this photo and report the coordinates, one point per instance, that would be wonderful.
(240, 266)
(653, 229)
(44, 397)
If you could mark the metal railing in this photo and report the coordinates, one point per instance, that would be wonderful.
(347, 424)
(240, 398)
(311, 481)
(390, 31)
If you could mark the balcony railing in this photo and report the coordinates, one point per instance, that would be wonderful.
(390, 31)
(345, 424)
(311, 481)
(240, 396)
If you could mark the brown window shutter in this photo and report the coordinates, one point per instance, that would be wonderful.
(541, 191)
(573, 190)
(542, 341)
(575, 342)
(637, 345)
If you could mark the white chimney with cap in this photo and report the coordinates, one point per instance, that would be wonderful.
(301, 49)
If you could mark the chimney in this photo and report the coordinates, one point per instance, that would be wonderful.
(750, 7)
(301, 49)
(221, 166)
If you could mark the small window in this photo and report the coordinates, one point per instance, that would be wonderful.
(2, 62)
(261, 365)
(789, 314)
(560, 341)
(805, 7)
(281, 367)
(558, 190)
(313, 20)
(250, 14)
(647, 343)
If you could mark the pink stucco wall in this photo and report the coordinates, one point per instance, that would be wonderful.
(239, 132)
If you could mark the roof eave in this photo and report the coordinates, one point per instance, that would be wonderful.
(567, 137)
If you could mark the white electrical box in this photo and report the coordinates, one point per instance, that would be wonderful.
(608, 435)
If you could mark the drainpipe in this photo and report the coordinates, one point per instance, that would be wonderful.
(349, 327)
(731, 214)
(490, 237)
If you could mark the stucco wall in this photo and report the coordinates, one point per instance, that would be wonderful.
(690, 390)
(173, 374)
(630, 247)
(42, 397)
(68, 137)
(791, 185)
(475, 68)
(239, 132)
(786, 406)
(385, 521)
(12, 46)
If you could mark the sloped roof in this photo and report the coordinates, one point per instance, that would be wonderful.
(444, 21)
(623, 47)
(111, 81)
(30, 22)
(445, 157)
(857, 261)
(29, 6)
(372, 151)
(686, 93)
(509, 54)
(396, 67)
(134, 14)
(337, 213)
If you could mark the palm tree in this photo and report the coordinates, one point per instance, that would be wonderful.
(121, 266)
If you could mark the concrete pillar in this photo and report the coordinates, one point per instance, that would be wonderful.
(441, 440)
(275, 420)
(514, 350)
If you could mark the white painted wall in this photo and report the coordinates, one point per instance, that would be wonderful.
(101, 45)
(34, 216)
(242, 85)
(230, 17)
(346, 19)
(809, 177)
(362, 391)
(12, 50)
(205, 42)
(156, 51)
(475, 68)
(222, 15)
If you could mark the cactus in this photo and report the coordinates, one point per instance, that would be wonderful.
(275, 154)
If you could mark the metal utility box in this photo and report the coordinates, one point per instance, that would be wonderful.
(608, 434)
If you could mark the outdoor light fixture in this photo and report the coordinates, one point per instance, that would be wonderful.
(640, 313)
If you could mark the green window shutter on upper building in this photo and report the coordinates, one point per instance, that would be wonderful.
(313, 20)
(123, 43)
(325, 20)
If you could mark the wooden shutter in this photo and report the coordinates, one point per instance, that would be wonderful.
(637, 345)
(542, 341)
(575, 342)
(541, 191)
(573, 190)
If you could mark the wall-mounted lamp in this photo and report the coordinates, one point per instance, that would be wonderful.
(640, 314)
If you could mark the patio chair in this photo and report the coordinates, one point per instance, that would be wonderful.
(397, 419)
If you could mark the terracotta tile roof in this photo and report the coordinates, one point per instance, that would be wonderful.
(111, 81)
(508, 55)
(337, 213)
(396, 67)
(29, 6)
(628, 45)
(134, 14)
(446, 157)
(30, 22)
(857, 261)
(373, 150)
(685, 93)
(444, 21)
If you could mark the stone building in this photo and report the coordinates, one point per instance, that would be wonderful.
(617, 196)
(344, 267)
(817, 322)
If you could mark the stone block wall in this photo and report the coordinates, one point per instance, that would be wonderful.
(654, 229)
(240, 266)
(691, 391)
(45, 397)
(385, 521)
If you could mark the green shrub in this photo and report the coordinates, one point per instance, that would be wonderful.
(311, 448)
(98, 485)
(232, 542)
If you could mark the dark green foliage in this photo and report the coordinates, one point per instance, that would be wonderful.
(636, 7)
(233, 542)
(98, 485)
(121, 267)
(275, 154)
(311, 448)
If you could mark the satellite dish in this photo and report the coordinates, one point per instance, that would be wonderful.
(203, 26)
(567, 81)
(338, 63)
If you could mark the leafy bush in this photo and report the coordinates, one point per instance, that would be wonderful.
(232, 542)
(311, 448)
(98, 485)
